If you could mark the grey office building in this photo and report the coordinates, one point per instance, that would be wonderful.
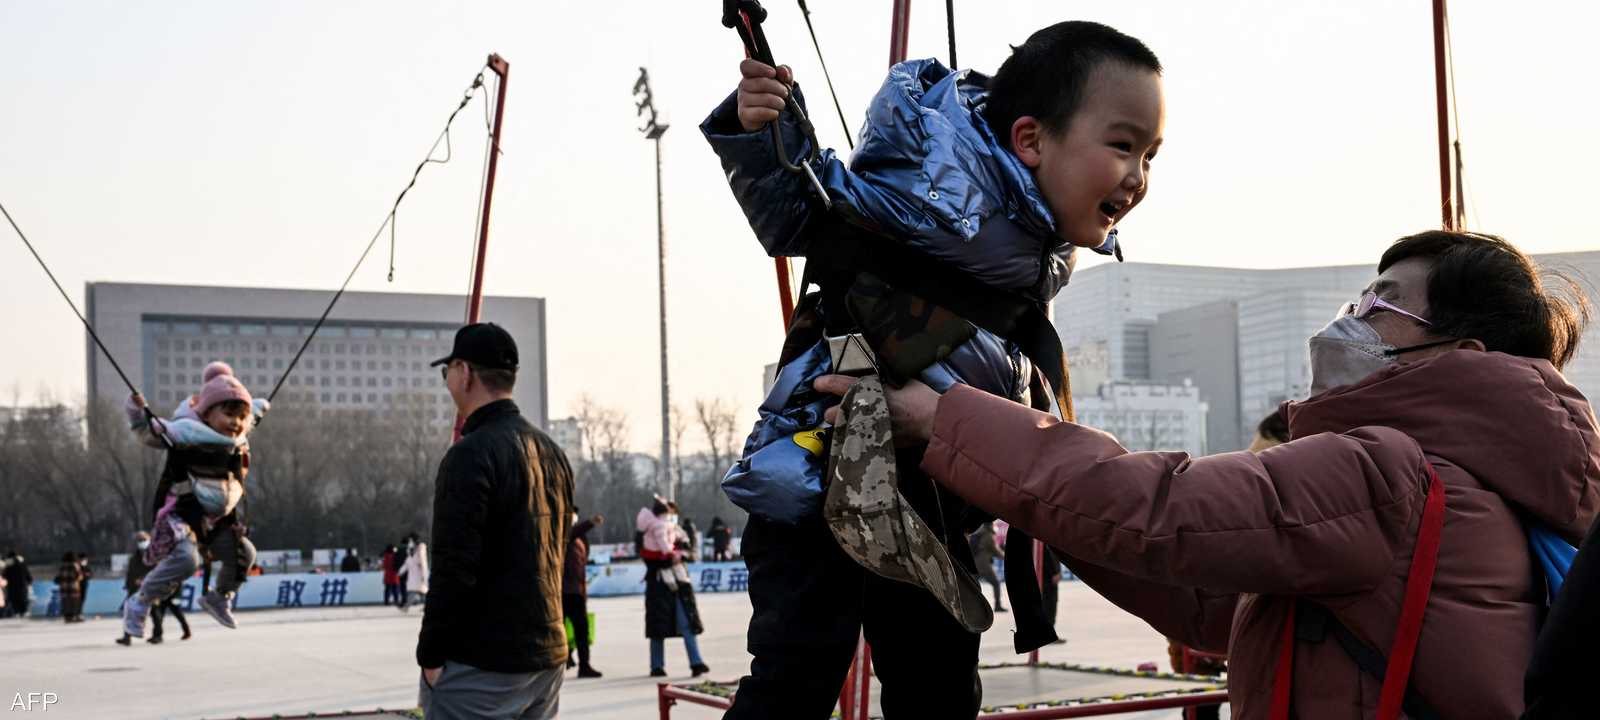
(371, 354)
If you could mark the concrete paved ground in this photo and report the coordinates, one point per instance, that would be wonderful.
(333, 659)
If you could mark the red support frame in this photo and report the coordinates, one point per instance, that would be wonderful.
(475, 304)
(668, 696)
(854, 705)
(1442, 103)
(500, 67)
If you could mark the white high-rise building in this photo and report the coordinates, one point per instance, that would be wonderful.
(1144, 416)
(1162, 324)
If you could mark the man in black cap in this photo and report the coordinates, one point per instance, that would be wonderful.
(492, 643)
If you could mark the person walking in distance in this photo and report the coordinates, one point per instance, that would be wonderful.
(575, 590)
(985, 550)
(391, 576)
(19, 584)
(415, 573)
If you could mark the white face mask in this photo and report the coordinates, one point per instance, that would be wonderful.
(1349, 349)
(1346, 352)
(144, 544)
(672, 519)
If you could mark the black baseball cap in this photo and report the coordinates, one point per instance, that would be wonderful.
(486, 345)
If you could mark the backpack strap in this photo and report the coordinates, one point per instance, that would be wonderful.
(1315, 621)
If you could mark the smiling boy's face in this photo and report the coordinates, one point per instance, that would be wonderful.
(1097, 171)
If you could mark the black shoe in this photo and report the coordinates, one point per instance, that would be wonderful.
(186, 635)
(1001, 610)
(589, 672)
(156, 640)
(699, 669)
(571, 663)
(657, 672)
(125, 640)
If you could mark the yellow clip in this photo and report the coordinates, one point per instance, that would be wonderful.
(811, 440)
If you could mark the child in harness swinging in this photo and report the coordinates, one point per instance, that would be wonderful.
(196, 504)
(939, 243)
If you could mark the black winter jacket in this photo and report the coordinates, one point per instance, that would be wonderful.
(501, 507)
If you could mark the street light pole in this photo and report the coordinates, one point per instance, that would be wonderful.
(653, 129)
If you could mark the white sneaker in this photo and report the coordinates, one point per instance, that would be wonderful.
(218, 606)
(133, 614)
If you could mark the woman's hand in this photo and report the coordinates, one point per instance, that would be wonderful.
(911, 408)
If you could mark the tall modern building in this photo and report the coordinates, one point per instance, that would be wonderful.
(371, 354)
(1238, 334)
(1200, 346)
(1147, 416)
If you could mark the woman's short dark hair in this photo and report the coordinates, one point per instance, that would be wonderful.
(1484, 288)
(1045, 76)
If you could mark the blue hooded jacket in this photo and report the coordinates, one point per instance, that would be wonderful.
(927, 171)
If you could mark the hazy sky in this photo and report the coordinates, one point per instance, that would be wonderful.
(259, 144)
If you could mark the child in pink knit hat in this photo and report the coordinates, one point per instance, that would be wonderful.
(208, 457)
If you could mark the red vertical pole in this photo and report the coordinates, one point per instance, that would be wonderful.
(475, 304)
(1443, 102)
(899, 31)
(861, 668)
(782, 265)
(847, 694)
(864, 706)
(785, 290)
(1038, 572)
(475, 299)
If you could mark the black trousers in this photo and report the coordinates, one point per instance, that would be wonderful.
(159, 612)
(811, 602)
(576, 609)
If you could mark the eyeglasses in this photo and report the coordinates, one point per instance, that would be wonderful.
(1370, 303)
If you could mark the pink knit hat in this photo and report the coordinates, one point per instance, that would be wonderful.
(221, 386)
(217, 367)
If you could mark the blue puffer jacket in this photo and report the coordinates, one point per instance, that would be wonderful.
(927, 171)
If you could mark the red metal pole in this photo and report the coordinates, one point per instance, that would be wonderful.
(784, 269)
(475, 299)
(847, 693)
(864, 706)
(861, 667)
(475, 304)
(1439, 87)
(785, 290)
(1038, 572)
(899, 31)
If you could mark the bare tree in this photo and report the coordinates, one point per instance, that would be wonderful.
(719, 422)
(680, 426)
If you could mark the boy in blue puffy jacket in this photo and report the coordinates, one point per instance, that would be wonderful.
(989, 181)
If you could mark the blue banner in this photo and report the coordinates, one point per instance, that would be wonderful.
(288, 590)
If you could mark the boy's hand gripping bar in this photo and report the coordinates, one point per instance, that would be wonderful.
(746, 16)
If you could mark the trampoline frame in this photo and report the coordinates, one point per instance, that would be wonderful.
(669, 695)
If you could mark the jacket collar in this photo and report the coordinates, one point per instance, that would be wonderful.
(488, 413)
(1513, 423)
